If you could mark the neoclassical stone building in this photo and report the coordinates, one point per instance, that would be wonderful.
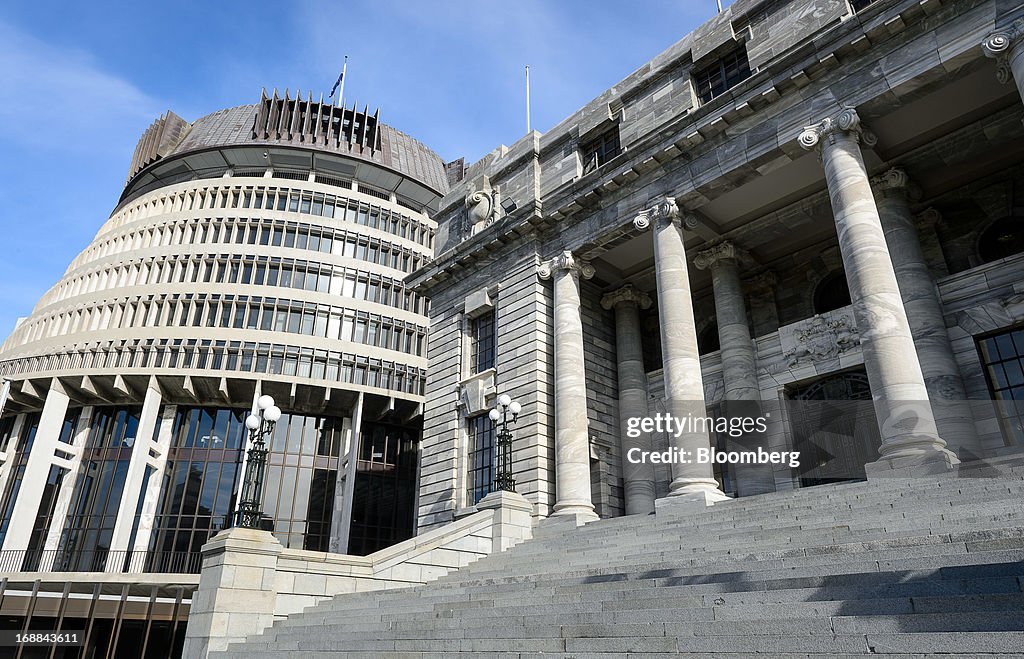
(798, 202)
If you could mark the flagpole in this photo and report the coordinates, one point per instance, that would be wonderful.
(527, 99)
(344, 67)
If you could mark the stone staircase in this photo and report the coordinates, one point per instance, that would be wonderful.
(907, 567)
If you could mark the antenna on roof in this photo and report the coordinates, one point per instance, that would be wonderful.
(719, 6)
(527, 99)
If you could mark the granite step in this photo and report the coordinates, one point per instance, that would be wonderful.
(896, 567)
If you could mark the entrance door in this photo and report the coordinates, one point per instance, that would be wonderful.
(834, 428)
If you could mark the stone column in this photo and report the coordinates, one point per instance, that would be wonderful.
(160, 447)
(1006, 46)
(572, 429)
(121, 539)
(909, 435)
(739, 363)
(67, 488)
(341, 519)
(924, 311)
(37, 469)
(684, 385)
(638, 478)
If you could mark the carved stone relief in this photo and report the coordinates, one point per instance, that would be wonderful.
(822, 337)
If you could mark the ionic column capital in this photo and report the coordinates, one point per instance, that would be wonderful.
(847, 121)
(627, 293)
(929, 217)
(664, 209)
(565, 261)
(1000, 44)
(712, 256)
(895, 180)
(1004, 39)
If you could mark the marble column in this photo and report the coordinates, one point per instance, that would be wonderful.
(924, 311)
(739, 363)
(684, 386)
(638, 478)
(1006, 46)
(572, 429)
(909, 436)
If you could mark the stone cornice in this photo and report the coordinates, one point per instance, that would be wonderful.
(565, 261)
(845, 121)
(702, 130)
(627, 293)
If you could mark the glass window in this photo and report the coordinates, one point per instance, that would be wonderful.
(482, 334)
(831, 293)
(1003, 358)
(598, 151)
(722, 75)
(1001, 239)
(480, 461)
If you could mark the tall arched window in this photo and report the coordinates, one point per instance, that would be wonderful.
(831, 293)
(707, 340)
(1000, 239)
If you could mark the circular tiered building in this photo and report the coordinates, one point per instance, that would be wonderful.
(259, 250)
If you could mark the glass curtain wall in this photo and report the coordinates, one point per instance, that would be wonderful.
(385, 489)
(85, 543)
(204, 471)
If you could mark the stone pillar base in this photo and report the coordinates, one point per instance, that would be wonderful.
(688, 502)
(563, 521)
(581, 510)
(513, 521)
(927, 464)
(237, 593)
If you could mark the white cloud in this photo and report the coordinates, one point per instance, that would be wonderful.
(62, 100)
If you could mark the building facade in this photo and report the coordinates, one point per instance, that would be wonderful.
(803, 211)
(259, 250)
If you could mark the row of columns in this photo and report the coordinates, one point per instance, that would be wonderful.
(140, 494)
(915, 381)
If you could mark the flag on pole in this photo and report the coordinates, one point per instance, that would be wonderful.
(337, 83)
(341, 78)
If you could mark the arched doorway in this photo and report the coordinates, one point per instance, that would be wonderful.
(834, 428)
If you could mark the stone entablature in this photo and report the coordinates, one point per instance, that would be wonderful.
(711, 134)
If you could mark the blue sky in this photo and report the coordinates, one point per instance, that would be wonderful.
(79, 82)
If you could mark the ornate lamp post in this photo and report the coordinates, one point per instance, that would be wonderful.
(503, 479)
(250, 513)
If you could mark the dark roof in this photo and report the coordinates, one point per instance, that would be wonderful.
(381, 144)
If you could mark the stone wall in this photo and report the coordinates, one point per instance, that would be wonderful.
(248, 580)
